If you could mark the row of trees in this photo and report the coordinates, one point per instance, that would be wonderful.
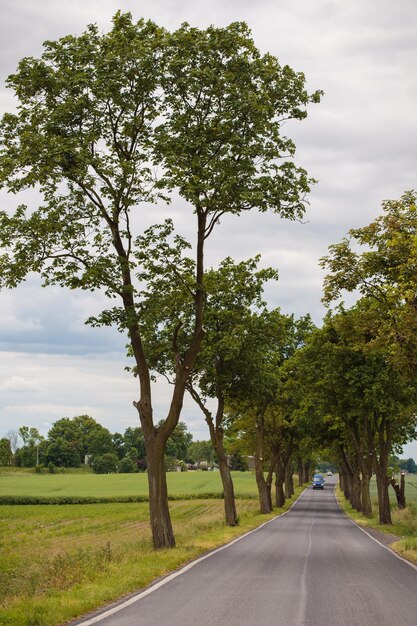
(106, 125)
(109, 123)
(72, 442)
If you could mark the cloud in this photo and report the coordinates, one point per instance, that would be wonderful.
(359, 143)
(19, 384)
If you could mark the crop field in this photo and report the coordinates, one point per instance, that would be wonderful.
(59, 562)
(410, 489)
(111, 485)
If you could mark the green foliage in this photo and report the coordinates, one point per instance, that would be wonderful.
(100, 117)
(134, 443)
(379, 261)
(107, 463)
(179, 441)
(6, 454)
(126, 466)
(97, 110)
(238, 463)
(200, 451)
(221, 143)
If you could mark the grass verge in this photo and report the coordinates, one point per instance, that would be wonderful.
(57, 563)
(404, 525)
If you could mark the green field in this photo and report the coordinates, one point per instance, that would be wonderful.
(410, 489)
(111, 485)
(59, 562)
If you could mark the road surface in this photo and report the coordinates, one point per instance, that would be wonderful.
(310, 567)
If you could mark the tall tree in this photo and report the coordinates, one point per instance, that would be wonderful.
(364, 403)
(28, 455)
(96, 113)
(233, 292)
(379, 261)
(6, 454)
(271, 338)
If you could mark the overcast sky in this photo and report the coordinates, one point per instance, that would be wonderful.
(359, 143)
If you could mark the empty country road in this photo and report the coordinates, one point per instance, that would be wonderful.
(311, 567)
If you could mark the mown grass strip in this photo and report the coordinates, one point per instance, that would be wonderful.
(57, 563)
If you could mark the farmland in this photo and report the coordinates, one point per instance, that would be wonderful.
(58, 562)
(112, 485)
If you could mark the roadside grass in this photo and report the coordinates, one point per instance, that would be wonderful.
(60, 562)
(112, 485)
(404, 524)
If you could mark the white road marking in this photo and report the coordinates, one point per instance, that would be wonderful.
(373, 538)
(186, 568)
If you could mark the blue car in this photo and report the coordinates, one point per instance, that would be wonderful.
(318, 481)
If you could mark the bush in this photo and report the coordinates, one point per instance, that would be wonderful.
(126, 466)
(238, 463)
(105, 464)
(171, 464)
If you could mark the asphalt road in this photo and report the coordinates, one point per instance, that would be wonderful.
(311, 567)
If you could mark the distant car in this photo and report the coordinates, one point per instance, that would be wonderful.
(329, 473)
(318, 481)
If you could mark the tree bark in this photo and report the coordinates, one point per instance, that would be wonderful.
(265, 501)
(380, 457)
(306, 466)
(217, 441)
(365, 492)
(279, 483)
(399, 489)
(300, 473)
(384, 506)
(228, 488)
(355, 496)
(288, 481)
(161, 526)
(156, 439)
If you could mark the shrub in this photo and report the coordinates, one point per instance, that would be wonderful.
(105, 464)
(126, 466)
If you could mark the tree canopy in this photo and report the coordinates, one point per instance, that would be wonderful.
(108, 123)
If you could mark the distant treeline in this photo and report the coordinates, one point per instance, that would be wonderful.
(73, 442)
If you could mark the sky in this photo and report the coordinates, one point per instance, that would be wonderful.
(359, 143)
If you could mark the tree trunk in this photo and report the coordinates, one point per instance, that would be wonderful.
(380, 463)
(265, 501)
(306, 467)
(399, 489)
(288, 481)
(346, 483)
(228, 489)
(279, 484)
(162, 531)
(263, 491)
(217, 437)
(384, 507)
(355, 495)
(300, 473)
(365, 493)
(292, 484)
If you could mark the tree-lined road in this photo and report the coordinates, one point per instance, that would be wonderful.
(311, 567)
